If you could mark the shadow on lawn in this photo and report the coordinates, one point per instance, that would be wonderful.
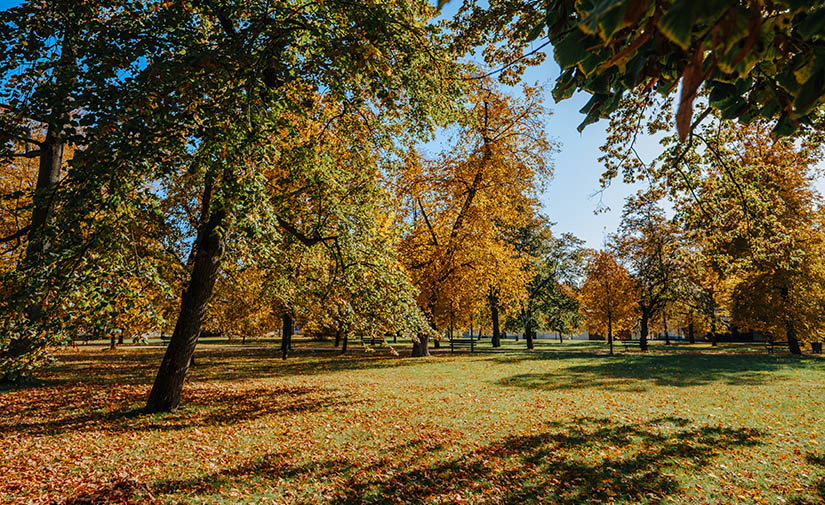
(139, 366)
(98, 409)
(816, 461)
(627, 372)
(585, 461)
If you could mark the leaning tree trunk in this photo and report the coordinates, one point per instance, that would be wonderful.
(643, 331)
(286, 337)
(493, 299)
(48, 176)
(210, 244)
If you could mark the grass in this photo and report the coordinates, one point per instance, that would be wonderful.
(682, 424)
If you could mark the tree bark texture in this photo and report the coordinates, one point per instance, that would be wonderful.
(166, 391)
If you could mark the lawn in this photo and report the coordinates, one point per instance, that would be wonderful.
(569, 425)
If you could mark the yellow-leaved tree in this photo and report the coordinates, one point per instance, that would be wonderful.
(459, 205)
(608, 296)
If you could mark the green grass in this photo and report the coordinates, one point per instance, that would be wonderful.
(682, 424)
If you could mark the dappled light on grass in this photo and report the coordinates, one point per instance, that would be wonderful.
(366, 429)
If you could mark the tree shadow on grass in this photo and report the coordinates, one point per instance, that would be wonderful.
(139, 366)
(627, 372)
(587, 460)
(817, 461)
(96, 408)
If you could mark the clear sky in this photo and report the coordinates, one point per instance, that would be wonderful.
(568, 199)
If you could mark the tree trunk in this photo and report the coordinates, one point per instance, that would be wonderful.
(493, 299)
(344, 342)
(643, 331)
(664, 324)
(713, 339)
(561, 336)
(422, 347)
(337, 338)
(286, 336)
(691, 335)
(112, 342)
(528, 335)
(610, 334)
(210, 243)
(793, 342)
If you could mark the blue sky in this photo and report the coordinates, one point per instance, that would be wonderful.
(568, 200)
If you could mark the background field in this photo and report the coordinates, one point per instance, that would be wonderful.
(569, 425)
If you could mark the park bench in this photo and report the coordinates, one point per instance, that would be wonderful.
(629, 344)
(371, 340)
(462, 342)
(771, 345)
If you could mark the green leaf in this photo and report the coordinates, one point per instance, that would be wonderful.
(813, 25)
(811, 92)
(571, 50)
(784, 126)
(678, 21)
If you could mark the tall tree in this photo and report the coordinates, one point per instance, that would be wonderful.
(608, 296)
(647, 242)
(557, 264)
(756, 207)
(60, 63)
(461, 205)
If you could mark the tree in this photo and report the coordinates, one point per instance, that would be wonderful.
(756, 59)
(461, 205)
(759, 213)
(61, 64)
(647, 242)
(608, 296)
(557, 265)
(266, 63)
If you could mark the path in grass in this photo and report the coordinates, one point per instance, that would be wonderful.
(370, 428)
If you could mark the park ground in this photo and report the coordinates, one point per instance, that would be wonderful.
(566, 424)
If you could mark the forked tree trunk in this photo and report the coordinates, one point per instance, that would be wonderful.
(422, 347)
(210, 244)
(286, 336)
